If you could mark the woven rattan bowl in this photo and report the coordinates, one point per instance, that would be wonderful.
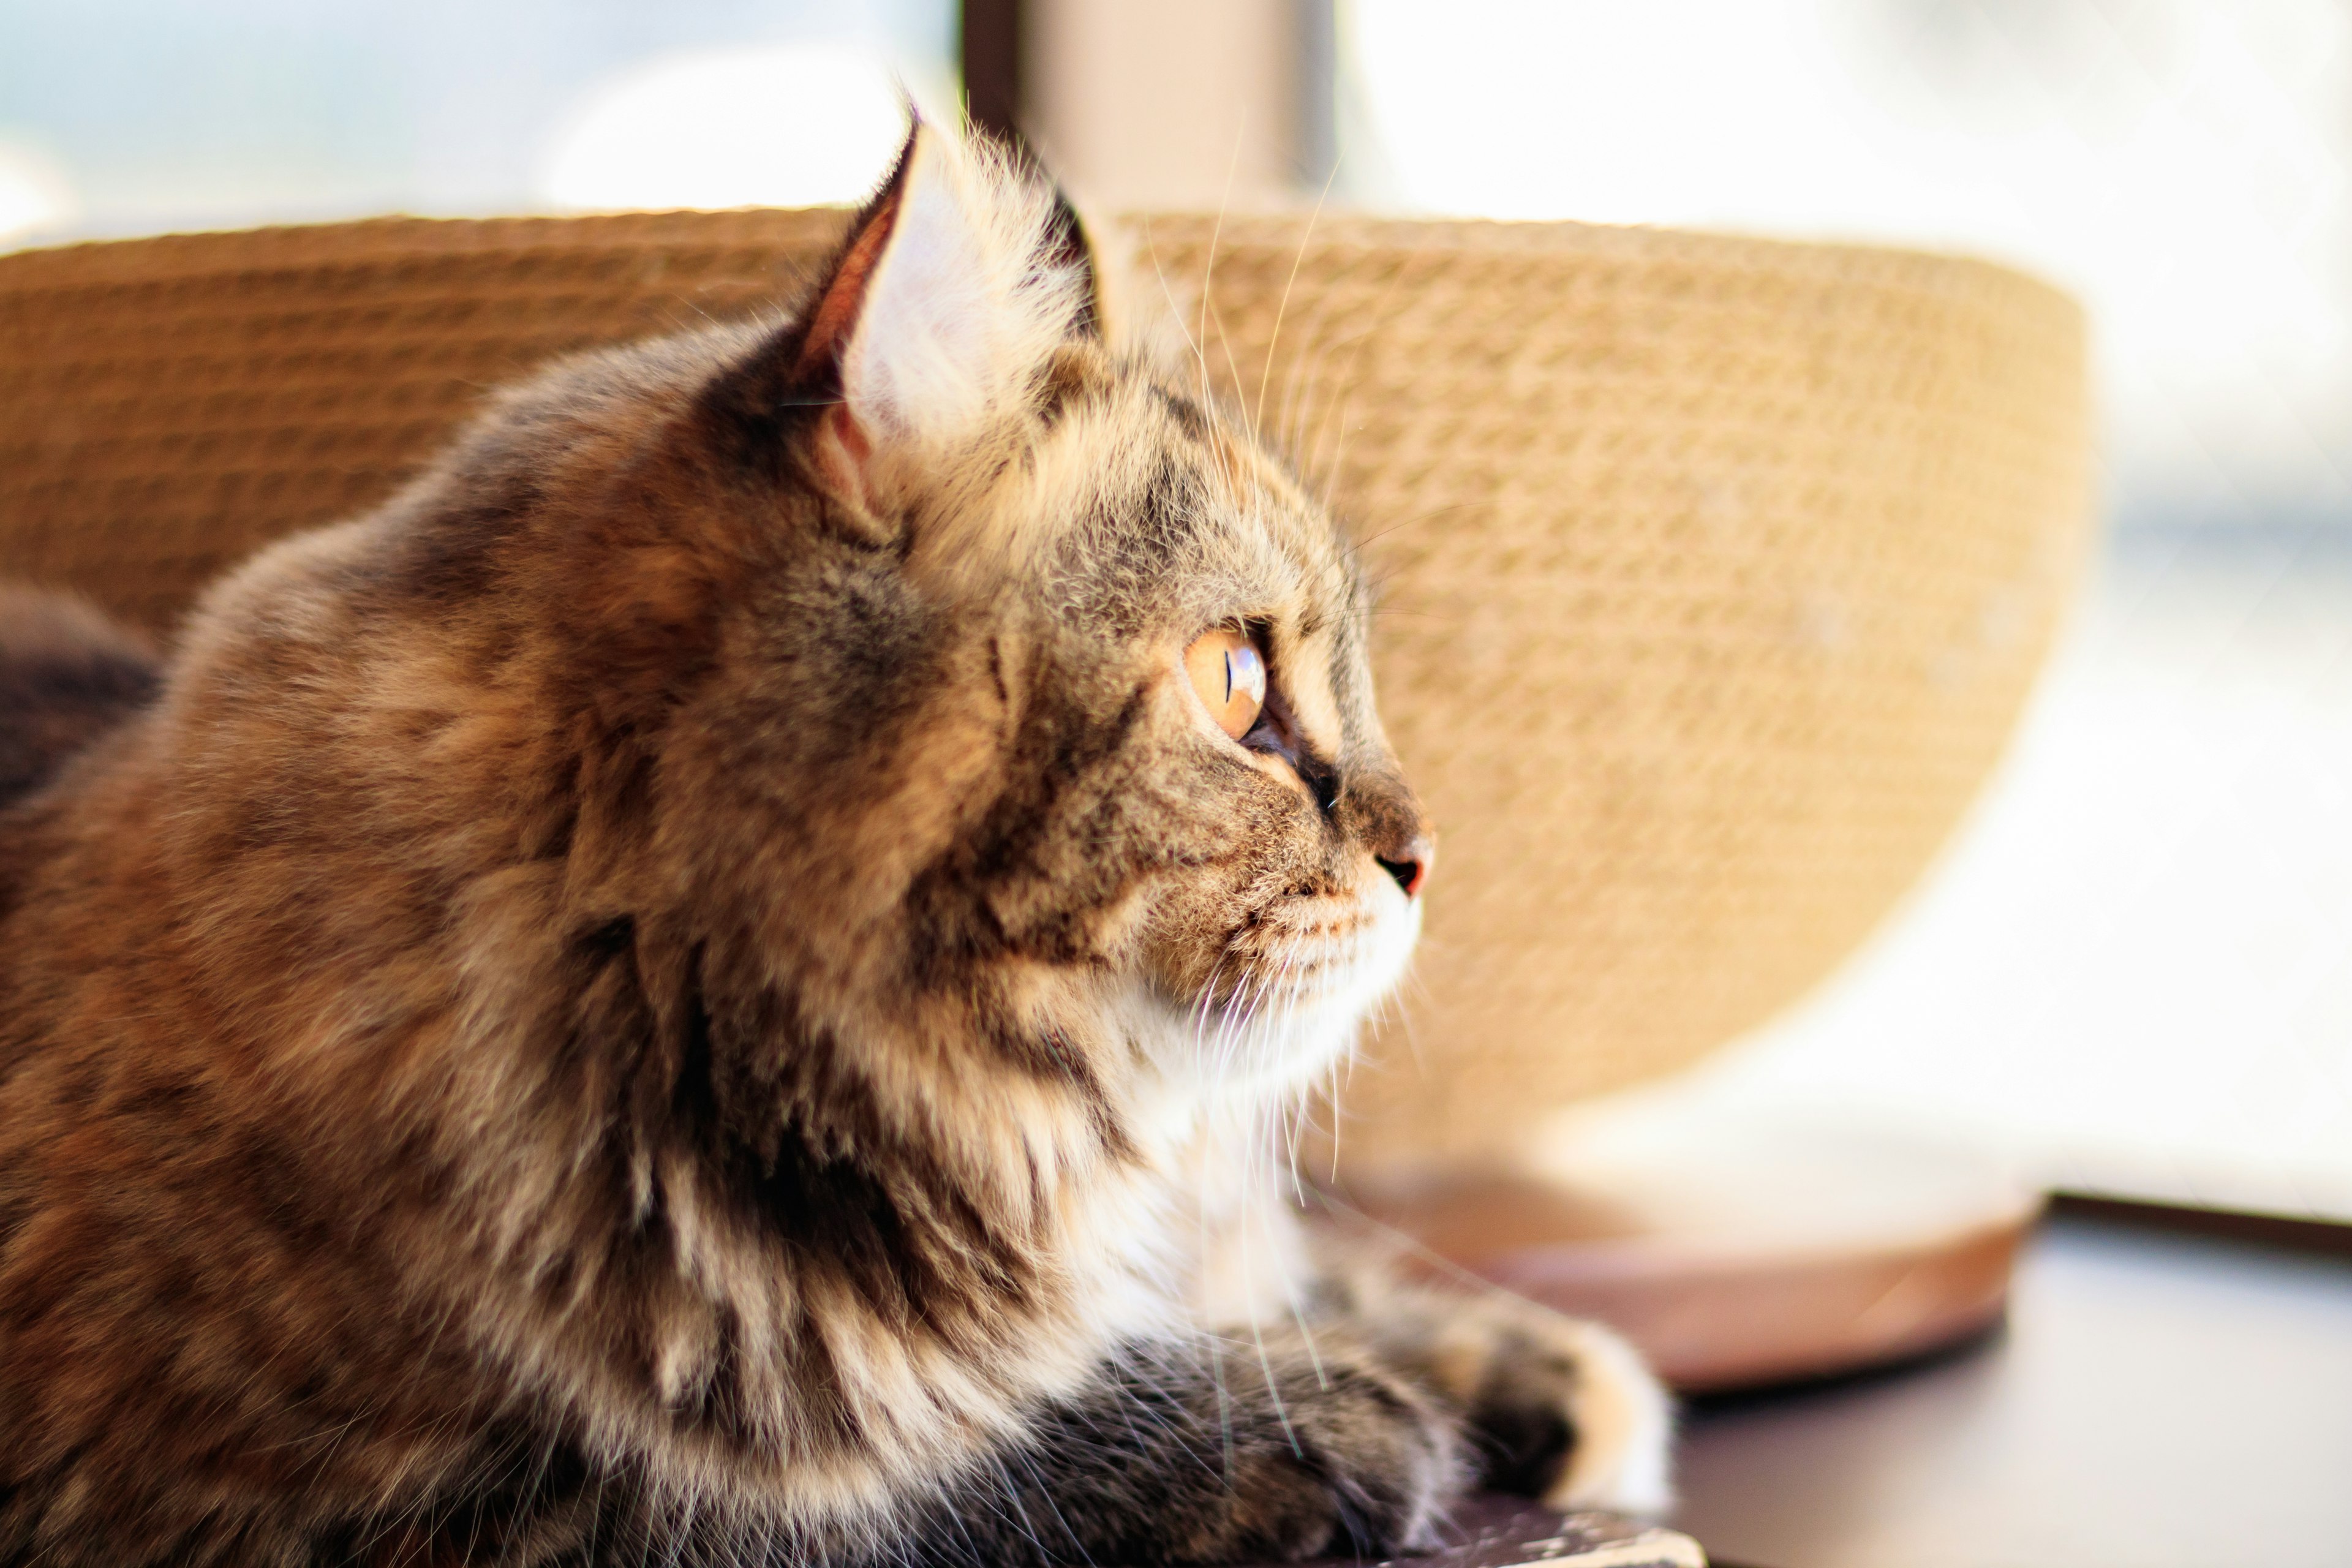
(1714, 571)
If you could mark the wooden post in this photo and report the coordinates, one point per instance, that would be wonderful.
(1157, 104)
(991, 48)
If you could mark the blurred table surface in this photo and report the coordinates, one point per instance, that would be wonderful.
(2158, 1398)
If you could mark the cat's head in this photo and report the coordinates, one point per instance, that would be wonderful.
(951, 668)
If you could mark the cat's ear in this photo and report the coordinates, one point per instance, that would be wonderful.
(957, 281)
(1071, 247)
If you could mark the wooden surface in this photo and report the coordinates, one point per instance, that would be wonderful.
(1735, 1261)
(2158, 1401)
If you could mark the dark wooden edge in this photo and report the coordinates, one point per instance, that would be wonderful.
(990, 46)
(2313, 1236)
(1893, 1369)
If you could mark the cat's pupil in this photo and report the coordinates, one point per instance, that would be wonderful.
(1228, 675)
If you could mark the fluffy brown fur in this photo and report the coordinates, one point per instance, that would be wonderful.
(67, 676)
(700, 986)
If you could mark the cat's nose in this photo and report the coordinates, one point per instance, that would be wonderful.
(1409, 862)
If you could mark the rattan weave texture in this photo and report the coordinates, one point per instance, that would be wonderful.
(1714, 571)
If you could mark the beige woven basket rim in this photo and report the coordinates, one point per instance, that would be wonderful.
(203, 252)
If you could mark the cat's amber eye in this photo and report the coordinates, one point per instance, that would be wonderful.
(1229, 672)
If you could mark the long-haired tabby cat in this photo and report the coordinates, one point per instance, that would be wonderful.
(708, 985)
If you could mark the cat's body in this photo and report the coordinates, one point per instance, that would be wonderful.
(699, 987)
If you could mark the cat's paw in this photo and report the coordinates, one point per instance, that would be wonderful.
(1561, 1409)
(1330, 1456)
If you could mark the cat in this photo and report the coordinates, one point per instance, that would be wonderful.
(712, 984)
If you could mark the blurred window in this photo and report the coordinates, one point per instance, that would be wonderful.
(134, 116)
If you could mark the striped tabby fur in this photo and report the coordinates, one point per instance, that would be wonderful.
(699, 988)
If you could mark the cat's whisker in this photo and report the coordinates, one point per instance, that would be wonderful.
(1332, 404)
(1209, 261)
(1029, 1463)
(1307, 398)
(1257, 1336)
(1208, 996)
(1233, 372)
(1216, 1348)
(1299, 376)
(1372, 316)
(1274, 336)
(1316, 350)
(1175, 311)
(1338, 456)
(1413, 521)
(1341, 1070)
(1237, 1037)
(1010, 1510)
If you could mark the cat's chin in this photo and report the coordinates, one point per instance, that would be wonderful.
(1291, 1015)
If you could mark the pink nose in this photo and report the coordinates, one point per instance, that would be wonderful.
(1411, 866)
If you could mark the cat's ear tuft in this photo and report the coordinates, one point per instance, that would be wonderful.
(832, 318)
(952, 291)
(957, 282)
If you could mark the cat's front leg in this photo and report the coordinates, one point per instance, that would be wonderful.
(1250, 1449)
(1558, 1408)
(1255, 1448)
